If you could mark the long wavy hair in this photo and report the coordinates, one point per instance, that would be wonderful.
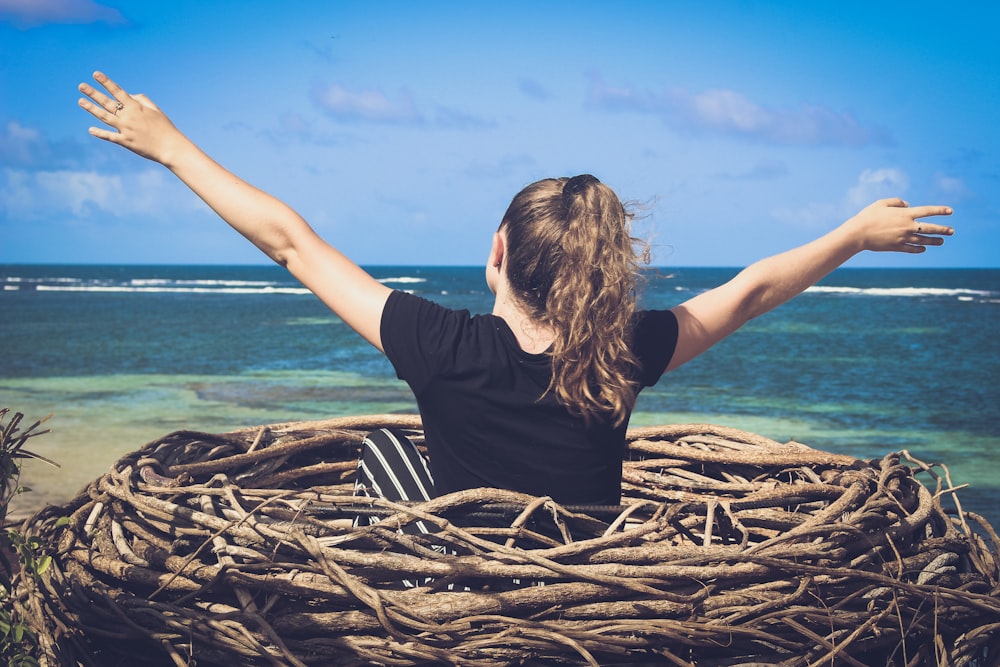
(573, 264)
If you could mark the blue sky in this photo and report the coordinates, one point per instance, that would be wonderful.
(401, 130)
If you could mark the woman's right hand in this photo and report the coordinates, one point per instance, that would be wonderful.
(136, 123)
(282, 234)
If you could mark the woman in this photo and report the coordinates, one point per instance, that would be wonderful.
(536, 396)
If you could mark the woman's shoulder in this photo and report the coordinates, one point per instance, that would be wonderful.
(408, 302)
(654, 341)
(654, 319)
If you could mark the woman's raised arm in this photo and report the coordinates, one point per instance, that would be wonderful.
(282, 234)
(888, 225)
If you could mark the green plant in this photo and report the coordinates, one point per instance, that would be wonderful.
(18, 642)
(12, 451)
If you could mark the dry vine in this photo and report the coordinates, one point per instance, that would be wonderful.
(728, 549)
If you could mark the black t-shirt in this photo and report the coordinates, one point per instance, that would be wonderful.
(484, 423)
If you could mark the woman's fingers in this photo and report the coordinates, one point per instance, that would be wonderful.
(922, 233)
(926, 233)
(98, 108)
(892, 225)
(107, 135)
(927, 240)
(97, 97)
(93, 95)
(119, 95)
(930, 233)
(104, 106)
(934, 230)
(98, 111)
(101, 105)
(108, 118)
(928, 211)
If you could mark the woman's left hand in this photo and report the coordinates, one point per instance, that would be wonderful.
(891, 225)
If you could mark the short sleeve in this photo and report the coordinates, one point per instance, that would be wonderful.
(418, 337)
(655, 342)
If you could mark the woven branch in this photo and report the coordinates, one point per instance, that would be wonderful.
(728, 549)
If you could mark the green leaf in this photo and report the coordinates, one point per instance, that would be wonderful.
(43, 564)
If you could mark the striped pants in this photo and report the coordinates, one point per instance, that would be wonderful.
(392, 467)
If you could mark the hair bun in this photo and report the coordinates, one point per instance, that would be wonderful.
(576, 185)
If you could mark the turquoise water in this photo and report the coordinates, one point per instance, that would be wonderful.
(869, 362)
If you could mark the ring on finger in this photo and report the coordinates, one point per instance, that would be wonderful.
(119, 106)
(920, 228)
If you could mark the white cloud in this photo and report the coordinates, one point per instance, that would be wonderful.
(33, 13)
(951, 186)
(17, 132)
(370, 105)
(25, 147)
(723, 109)
(617, 98)
(44, 195)
(876, 184)
(80, 191)
(375, 106)
(733, 113)
(872, 185)
(533, 89)
(20, 145)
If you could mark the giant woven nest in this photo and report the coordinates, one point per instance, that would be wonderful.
(728, 549)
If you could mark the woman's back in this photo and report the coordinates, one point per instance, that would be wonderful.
(488, 418)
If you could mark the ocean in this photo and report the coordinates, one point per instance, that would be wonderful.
(868, 362)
